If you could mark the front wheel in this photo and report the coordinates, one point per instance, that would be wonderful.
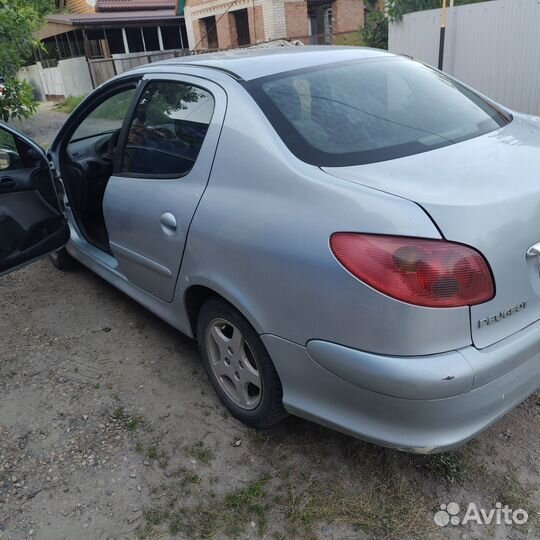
(62, 260)
(239, 366)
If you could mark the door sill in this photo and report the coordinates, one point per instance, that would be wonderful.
(98, 255)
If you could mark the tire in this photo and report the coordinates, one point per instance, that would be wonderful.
(62, 260)
(236, 361)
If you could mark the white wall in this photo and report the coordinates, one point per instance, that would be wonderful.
(30, 74)
(493, 46)
(75, 76)
(70, 77)
(51, 81)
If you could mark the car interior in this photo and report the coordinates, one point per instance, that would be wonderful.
(31, 222)
(87, 164)
(86, 173)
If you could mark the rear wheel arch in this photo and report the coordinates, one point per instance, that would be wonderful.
(197, 295)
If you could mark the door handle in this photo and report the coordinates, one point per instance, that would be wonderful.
(168, 223)
(7, 183)
(534, 251)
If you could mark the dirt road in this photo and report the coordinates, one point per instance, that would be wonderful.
(109, 429)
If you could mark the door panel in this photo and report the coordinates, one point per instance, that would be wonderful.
(31, 221)
(148, 213)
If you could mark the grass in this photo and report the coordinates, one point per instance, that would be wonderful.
(144, 531)
(69, 104)
(350, 39)
(133, 423)
(384, 509)
(156, 516)
(154, 454)
(344, 482)
(216, 516)
(118, 413)
(112, 109)
(454, 467)
(320, 479)
(376, 491)
(200, 452)
(186, 478)
(504, 487)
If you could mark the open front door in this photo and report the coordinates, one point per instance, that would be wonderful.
(32, 223)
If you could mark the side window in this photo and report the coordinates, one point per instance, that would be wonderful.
(167, 130)
(10, 157)
(106, 117)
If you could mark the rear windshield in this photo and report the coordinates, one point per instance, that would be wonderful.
(370, 110)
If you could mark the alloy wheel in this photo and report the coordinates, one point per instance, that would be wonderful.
(234, 364)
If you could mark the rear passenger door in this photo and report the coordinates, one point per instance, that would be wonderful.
(165, 156)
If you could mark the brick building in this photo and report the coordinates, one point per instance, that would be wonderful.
(100, 29)
(104, 28)
(220, 24)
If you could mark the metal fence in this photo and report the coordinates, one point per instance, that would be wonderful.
(494, 46)
(102, 69)
(77, 76)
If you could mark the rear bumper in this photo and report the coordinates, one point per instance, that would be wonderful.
(418, 404)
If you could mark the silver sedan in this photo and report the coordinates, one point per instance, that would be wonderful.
(351, 236)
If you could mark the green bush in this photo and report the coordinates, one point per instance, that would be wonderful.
(69, 104)
(19, 22)
(376, 29)
(17, 101)
(398, 8)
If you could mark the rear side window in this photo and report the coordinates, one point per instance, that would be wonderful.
(167, 130)
(372, 110)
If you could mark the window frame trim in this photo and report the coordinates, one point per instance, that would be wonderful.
(88, 105)
(122, 139)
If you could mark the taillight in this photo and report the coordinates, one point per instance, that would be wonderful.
(432, 273)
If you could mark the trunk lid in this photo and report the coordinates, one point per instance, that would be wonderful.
(484, 192)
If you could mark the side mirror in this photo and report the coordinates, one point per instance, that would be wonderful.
(5, 159)
(34, 155)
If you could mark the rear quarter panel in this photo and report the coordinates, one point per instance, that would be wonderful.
(260, 238)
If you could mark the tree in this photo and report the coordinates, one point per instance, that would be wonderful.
(376, 29)
(397, 8)
(376, 24)
(17, 101)
(19, 22)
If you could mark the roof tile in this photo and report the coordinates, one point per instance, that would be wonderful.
(134, 5)
(96, 19)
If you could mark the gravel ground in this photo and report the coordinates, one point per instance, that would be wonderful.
(109, 429)
(44, 125)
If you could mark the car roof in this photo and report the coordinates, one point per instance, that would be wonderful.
(248, 64)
